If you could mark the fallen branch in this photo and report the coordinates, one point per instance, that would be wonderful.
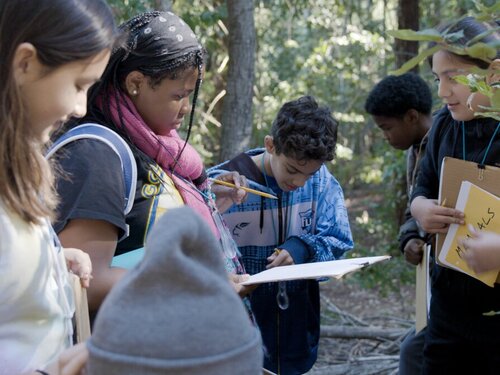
(366, 366)
(373, 333)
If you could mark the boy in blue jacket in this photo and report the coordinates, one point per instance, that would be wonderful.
(307, 223)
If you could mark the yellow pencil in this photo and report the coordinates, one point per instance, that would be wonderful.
(261, 193)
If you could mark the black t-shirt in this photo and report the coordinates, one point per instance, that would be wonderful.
(92, 187)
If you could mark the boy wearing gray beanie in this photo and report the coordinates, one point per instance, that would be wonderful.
(175, 313)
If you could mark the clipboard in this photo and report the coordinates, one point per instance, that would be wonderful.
(315, 270)
(82, 321)
(423, 291)
(453, 172)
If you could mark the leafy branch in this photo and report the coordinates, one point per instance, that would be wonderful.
(479, 80)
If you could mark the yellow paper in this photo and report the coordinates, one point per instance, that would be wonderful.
(482, 211)
(453, 172)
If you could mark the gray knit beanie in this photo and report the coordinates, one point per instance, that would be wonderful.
(175, 312)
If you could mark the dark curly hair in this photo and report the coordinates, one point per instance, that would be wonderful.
(305, 131)
(395, 95)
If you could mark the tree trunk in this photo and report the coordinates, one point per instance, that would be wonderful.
(163, 5)
(237, 106)
(408, 18)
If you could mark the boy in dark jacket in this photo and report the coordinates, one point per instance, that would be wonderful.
(401, 108)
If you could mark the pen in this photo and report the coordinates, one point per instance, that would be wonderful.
(253, 191)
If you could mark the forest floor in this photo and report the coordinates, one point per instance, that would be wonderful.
(349, 306)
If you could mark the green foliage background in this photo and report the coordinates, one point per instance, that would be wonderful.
(335, 50)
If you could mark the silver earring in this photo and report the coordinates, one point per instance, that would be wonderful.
(134, 92)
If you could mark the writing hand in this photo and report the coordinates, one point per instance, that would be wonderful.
(280, 257)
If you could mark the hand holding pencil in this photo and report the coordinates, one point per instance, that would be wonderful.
(232, 188)
(247, 189)
(226, 195)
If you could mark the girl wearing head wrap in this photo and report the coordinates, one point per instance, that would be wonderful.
(143, 96)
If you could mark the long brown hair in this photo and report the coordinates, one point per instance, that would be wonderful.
(62, 31)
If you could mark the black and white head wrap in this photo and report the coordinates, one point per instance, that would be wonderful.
(159, 45)
(163, 38)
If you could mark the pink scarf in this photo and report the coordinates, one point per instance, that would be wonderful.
(164, 149)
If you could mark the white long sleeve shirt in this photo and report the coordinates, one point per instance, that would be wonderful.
(35, 304)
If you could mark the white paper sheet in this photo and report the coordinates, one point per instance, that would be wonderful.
(334, 268)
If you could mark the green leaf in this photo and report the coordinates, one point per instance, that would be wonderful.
(464, 80)
(494, 9)
(484, 34)
(455, 49)
(453, 37)
(481, 51)
(475, 83)
(484, 88)
(495, 115)
(495, 99)
(416, 60)
(430, 35)
(478, 71)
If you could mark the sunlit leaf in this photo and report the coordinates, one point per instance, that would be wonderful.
(476, 83)
(495, 115)
(416, 60)
(495, 99)
(484, 88)
(429, 35)
(478, 71)
(464, 80)
(494, 9)
(455, 49)
(481, 51)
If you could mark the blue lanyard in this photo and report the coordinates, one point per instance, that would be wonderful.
(284, 228)
(487, 148)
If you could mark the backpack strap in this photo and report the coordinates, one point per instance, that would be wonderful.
(117, 144)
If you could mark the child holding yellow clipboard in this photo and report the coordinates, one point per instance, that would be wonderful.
(462, 334)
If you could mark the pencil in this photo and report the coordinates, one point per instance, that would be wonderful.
(443, 203)
(253, 191)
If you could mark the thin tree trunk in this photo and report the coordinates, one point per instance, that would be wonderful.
(163, 5)
(237, 106)
(408, 18)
